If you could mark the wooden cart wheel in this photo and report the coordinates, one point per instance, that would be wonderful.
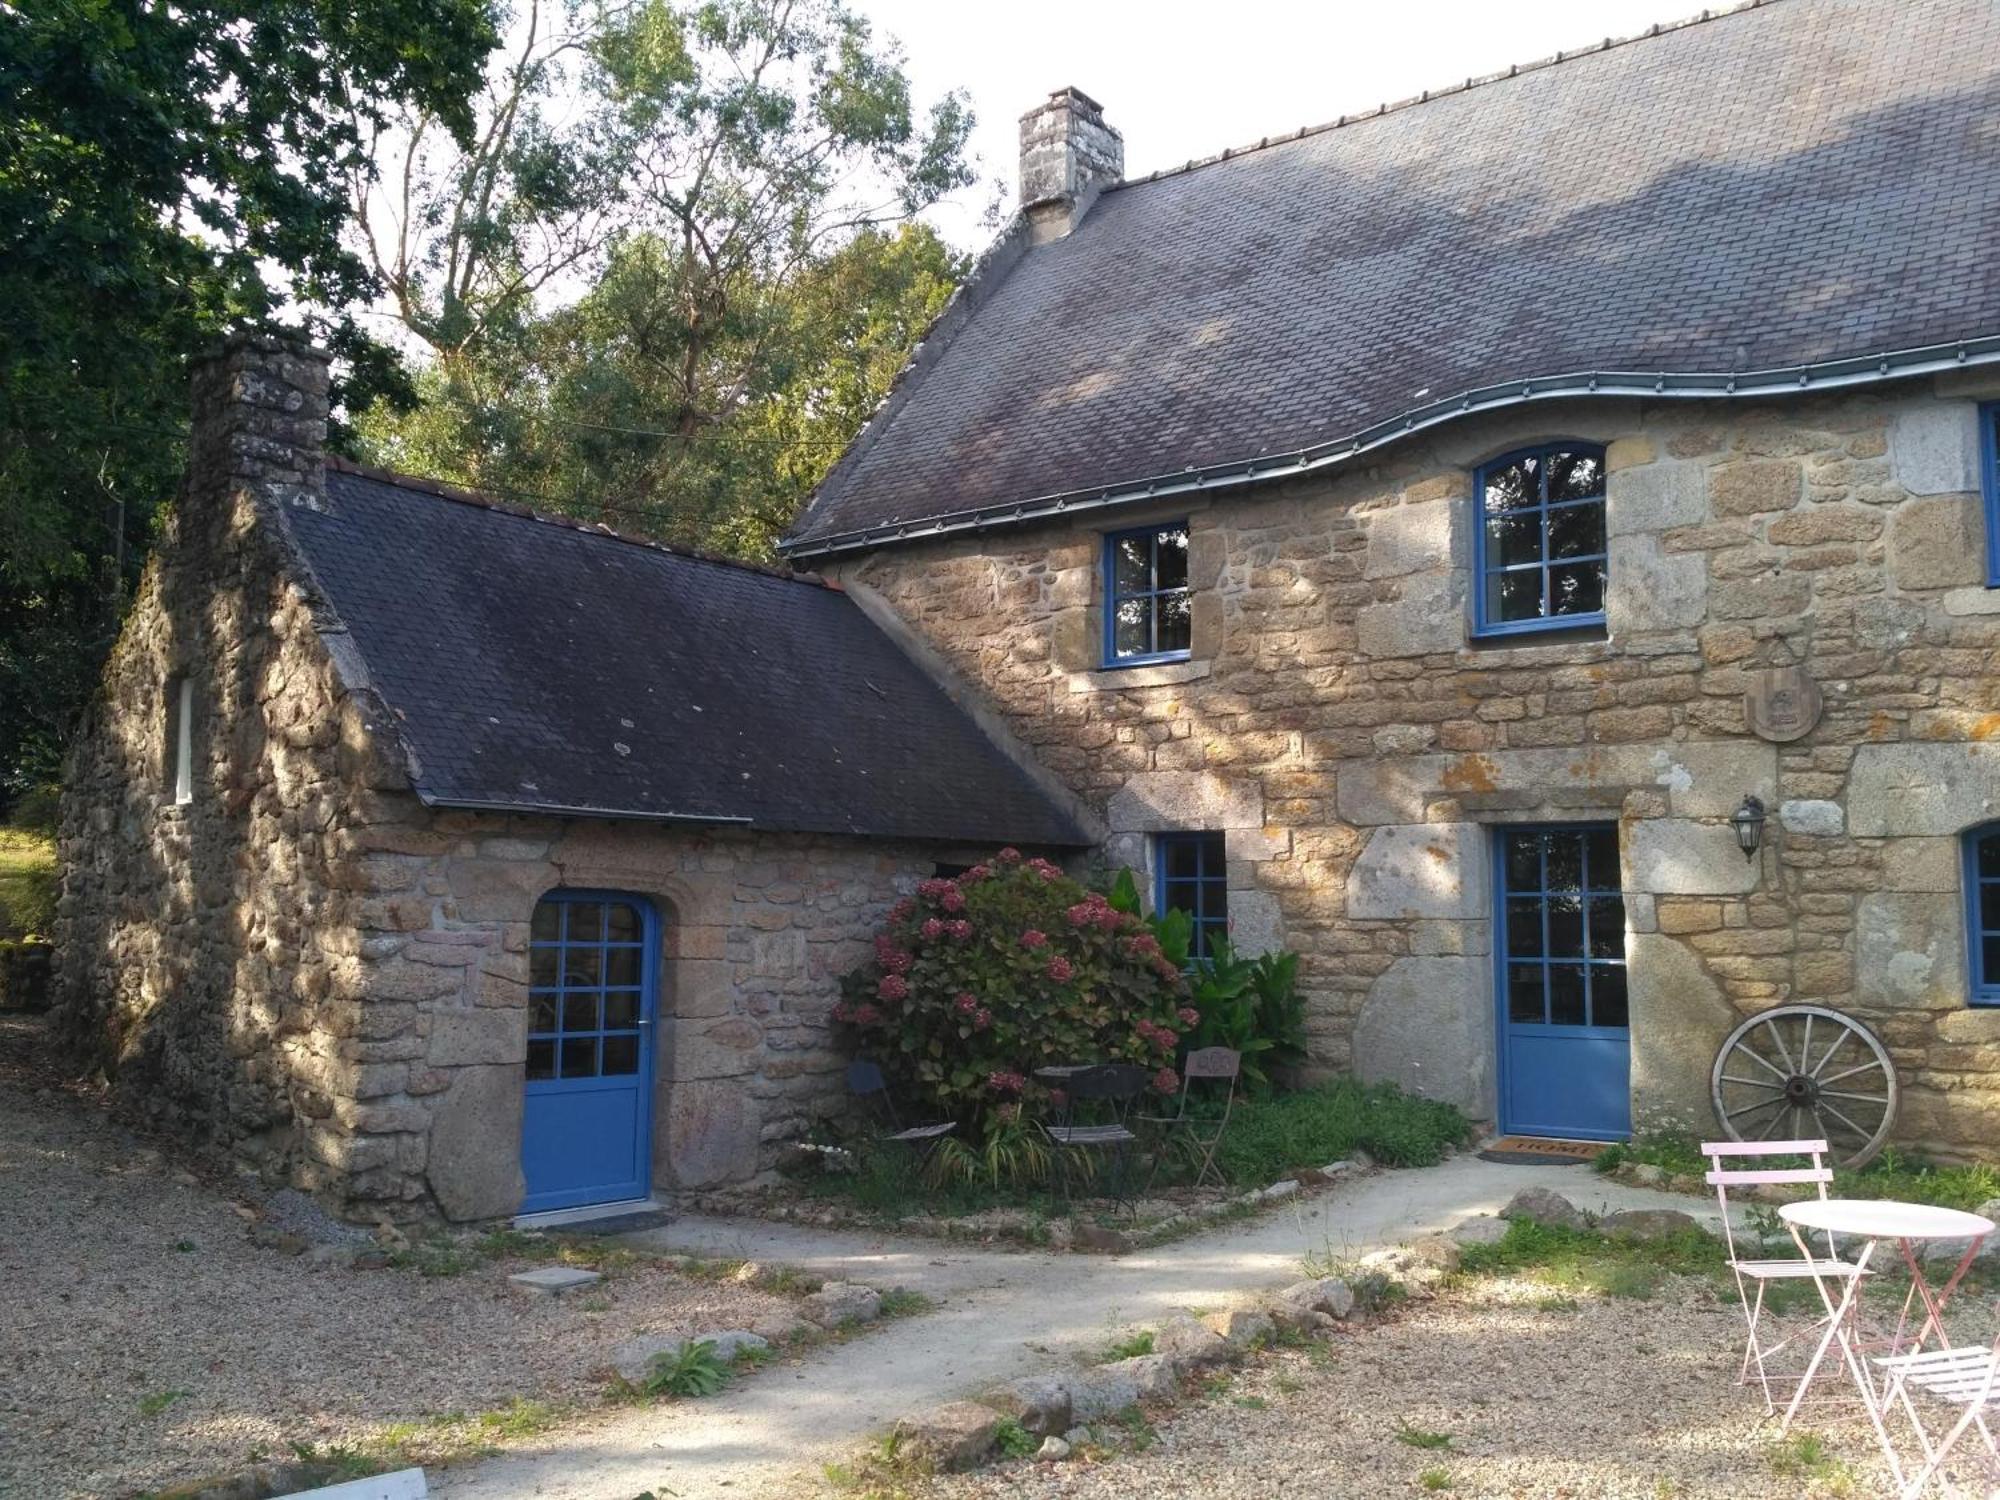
(1803, 1072)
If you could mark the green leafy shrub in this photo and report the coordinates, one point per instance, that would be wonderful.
(692, 1370)
(978, 981)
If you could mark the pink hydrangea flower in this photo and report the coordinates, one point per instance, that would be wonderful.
(1034, 938)
(1044, 869)
(960, 929)
(933, 929)
(1004, 1082)
(976, 874)
(866, 1015)
(966, 1002)
(981, 1019)
(893, 987)
(1166, 1081)
(952, 900)
(840, 1011)
(1083, 914)
(1189, 1016)
(1009, 856)
(1061, 970)
(902, 909)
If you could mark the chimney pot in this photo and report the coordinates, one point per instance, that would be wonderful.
(260, 406)
(1068, 156)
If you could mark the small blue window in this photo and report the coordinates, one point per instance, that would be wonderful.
(1539, 551)
(1193, 876)
(1146, 606)
(1989, 484)
(1982, 913)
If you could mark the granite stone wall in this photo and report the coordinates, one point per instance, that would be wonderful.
(1355, 746)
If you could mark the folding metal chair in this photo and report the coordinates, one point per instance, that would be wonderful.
(1113, 1087)
(1211, 1065)
(1955, 1377)
(865, 1082)
(1762, 1272)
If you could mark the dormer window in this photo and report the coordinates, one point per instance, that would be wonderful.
(1146, 605)
(1539, 548)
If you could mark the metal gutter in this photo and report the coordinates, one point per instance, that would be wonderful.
(562, 810)
(1785, 380)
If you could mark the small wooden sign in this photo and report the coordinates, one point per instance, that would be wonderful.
(1782, 704)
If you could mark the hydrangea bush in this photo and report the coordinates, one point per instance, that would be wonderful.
(1012, 966)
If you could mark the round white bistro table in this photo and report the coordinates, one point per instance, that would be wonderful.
(1874, 1221)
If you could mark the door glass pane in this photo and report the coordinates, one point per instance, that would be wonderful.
(583, 965)
(1524, 993)
(621, 965)
(586, 921)
(1607, 927)
(1131, 565)
(547, 925)
(542, 1013)
(1524, 861)
(580, 1011)
(622, 923)
(1172, 628)
(1991, 948)
(1173, 558)
(1183, 858)
(1989, 856)
(1989, 907)
(621, 1055)
(1565, 926)
(1566, 1006)
(1607, 995)
(541, 1059)
(1572, 476)
(579, 1057)
(621, 1009)
(1524, 927)
(542, 965)
(1180, 896)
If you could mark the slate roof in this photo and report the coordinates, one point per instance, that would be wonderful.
(1801, 183)
(541, 664)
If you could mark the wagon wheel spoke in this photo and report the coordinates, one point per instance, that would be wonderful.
(1778, 1041)
(1844, 1094)
(1858, 1131)
(1744, 1049)
(1797, 1052)
(1753, 1108)
(1871, 1066)
(1839, 1038)
(1753, 1083)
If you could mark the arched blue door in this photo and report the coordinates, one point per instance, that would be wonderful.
(593, 975)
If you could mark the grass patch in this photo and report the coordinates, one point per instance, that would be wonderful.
(1894, 1174)
(158, 1401)
(1130, 1347)
(1015, 1441)
(1418, 1437)
(1573, 1261)
(694, 1370)
(1804, 1455)
(27, 882)
(1434, 1480)
(901, 1302)
(1269, 1138)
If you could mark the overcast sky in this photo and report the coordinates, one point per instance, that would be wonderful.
(1185, 78)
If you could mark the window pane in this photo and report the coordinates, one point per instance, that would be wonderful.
(1989, 907)
(1131, 565)
(1130, 635)
(621, 965)
(1600, 847)
(622, 923)
(1566, 994)
(1607, 927)
(1565, 862)
(1514, 537)
(621, 1055)
(1515, 486)
(547, 926)
(1577, 589)
(1179, 895)
(580, 1012)
(586, 922)
(621, 1009)
(583, 965)
(1524, 861)
(1573, 476)
(1183, 858)
(1989, 856)
(1607, 995)
(541, 1059)
(1524, 928)
(542, 965)
(1215, 902)
(579, 1057)
(1577, 531)
(1515, 596)
(1171, 624)
(1989, 972)
(542, 1013)
(1524, 992)
(1565, 926)
(1172, 558)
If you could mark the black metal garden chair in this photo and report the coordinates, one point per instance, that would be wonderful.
(866, 1083)
(1109, 1092)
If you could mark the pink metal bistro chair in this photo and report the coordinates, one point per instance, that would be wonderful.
(1954, 1377)
(1219, 1068)
(1761, 1273)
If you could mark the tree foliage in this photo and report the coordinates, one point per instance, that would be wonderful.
(167, 173)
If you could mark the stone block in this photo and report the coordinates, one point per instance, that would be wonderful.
(1189, 1343)
(1420, 870)
(1680, 857)
(1429, 618)
(726, 1048)
(1256, 923)
(1979, 600)
(1427, 1025)
(1408, 538)
(707, 1134)
(1161, 801)
(1817, 525)
(1934, 447)
(475, 1147)
(1656, 589)
(1908, 949)
(1040, 1403)
(1813, 817)
(1241, 1328)
(1922, 789)
(1921, 865)
(491, 890)
(957, 1435)
(1750, 486)
(1937, 543)
(1645, 1224)
(481, 1034)
(553, 1281)
(1679, 1017)
(1653, 498)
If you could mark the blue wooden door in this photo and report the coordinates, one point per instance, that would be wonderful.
(1565, 1041)
(586, 1130)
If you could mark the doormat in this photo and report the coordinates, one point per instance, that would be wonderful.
(1534, 1151)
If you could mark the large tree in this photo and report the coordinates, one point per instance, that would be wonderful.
(749, 298)
(168, 172)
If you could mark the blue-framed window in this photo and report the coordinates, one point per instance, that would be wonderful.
(1982, 912)
(1539, 548)
(1989, 485)
(1562, 926)
(587, 976)
(1147, 611)
(1193, 876)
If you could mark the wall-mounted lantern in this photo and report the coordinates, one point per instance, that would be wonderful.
(1748, 821)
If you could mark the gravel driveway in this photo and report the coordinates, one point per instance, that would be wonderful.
(149, 1341)
(1602, 1399)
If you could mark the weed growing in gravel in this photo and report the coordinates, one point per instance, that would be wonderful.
(186, 1247)
(1140, 1434)
(337, 1461)
(901, 1302)
(1571, 1261)
(152, 1405)
(1129, 1347)
(1252, 1403)
(1435, 1479)
(1804, 1455)
(1418, 1437)
(1014, 1440)
(1217, 1383)
(692, 1370)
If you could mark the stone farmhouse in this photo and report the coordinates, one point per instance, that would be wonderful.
(1428, 541)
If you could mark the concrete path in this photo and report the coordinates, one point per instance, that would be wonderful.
(999, 1315)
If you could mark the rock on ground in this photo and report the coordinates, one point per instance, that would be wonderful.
(634, 1358)
(1040, 1403)
(1053, 1450)
(1481, 1229)
(841, 1302)
(953, 1436)
(1544, 1206)
(1189, 1343)
(1647, 1223)
(1326, 1294)
(1242, 1327)
(1122, 1383)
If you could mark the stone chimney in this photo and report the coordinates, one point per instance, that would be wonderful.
(1068, 156)
(259, 423)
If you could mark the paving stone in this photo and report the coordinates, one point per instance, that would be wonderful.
(553, 1281)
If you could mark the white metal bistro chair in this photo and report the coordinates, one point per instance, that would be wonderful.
(1954, 1377)
(1760, 1273)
